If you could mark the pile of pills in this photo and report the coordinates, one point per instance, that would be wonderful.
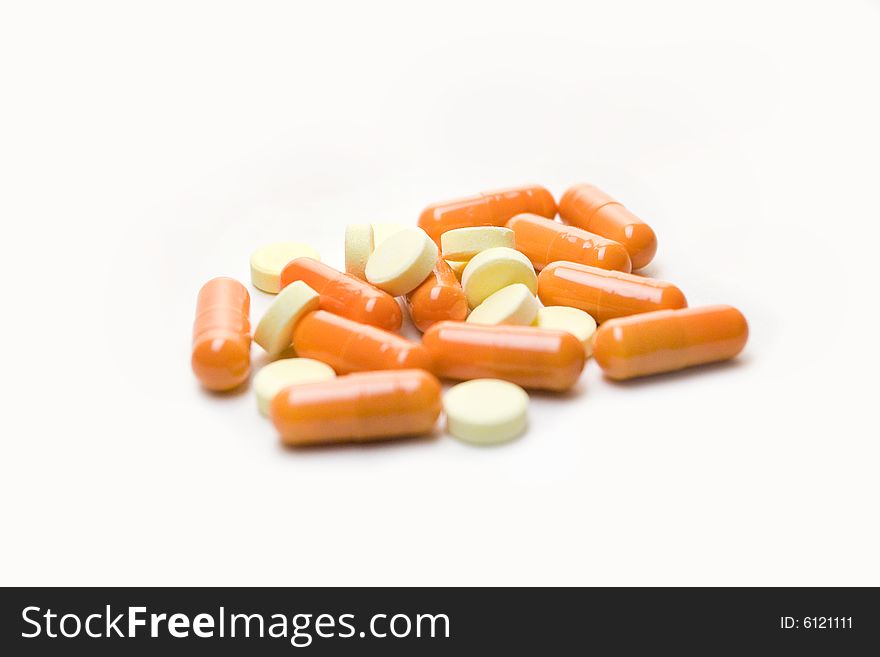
(507, 297)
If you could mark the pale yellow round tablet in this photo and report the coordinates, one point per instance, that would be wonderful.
(382, 232)
(268, 261)
(457, 267)
(571, 320)
(400, 263)
(276, 327)
(514, 304)
(492, 269)
(276, 376)
(358, 247)
(486, 411)
(465, 243)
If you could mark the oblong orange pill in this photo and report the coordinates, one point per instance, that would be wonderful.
(439, 298)
(348, 346)
(221, 344)
(669, 340)
(588, 207)
(486, 209)
(605, 294)
(528, 356)
(544, 241)
(357, 408)
(344, 294)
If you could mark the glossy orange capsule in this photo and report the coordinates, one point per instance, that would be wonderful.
(669, 340)
(439, 297)
(486, 209)
(528, 356)
(588, 207)
(358, 408)
(605, 294)
(344, 294)
(348, 346)
(221, 346)
(544, 241)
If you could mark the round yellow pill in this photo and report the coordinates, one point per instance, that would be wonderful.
(402, 262)
(358, 247)
(492, 269)
(276, 327)
(278, 375)
(486, 411)
(268, 261)
(382, 232)
(465, 243)
(571, 320)
(514, 304)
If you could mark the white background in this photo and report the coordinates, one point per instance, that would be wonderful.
(147, 147)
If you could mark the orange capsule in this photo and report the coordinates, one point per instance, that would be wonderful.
(528, 356)
(348, 346)
(588, 207)
(544, 241)
(439, 297)
(357, 408)
(486, 209)
(221, 346)
(344, 294)
(669, 340)
(605, 294)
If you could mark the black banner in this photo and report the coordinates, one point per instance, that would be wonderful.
(418, 621)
